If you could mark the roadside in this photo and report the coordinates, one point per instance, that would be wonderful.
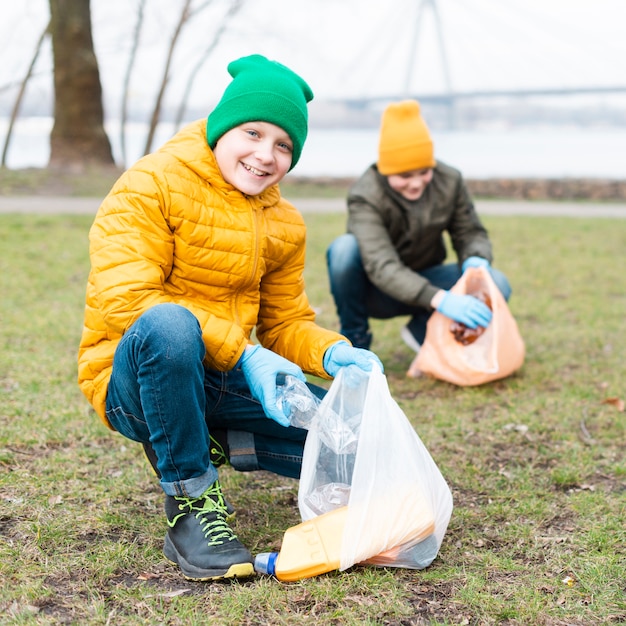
(53, 205)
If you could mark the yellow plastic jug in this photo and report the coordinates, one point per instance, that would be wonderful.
(313, 547)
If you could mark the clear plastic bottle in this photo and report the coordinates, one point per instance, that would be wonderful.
(297, 401)
(418, 556)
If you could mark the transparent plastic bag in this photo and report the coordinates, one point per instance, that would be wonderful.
(398, 503)
(339, 433)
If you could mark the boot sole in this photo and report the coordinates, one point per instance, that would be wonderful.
(190, 572)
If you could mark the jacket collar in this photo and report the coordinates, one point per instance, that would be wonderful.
(190, 146)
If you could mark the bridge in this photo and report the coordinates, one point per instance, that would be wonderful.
(424, 21)
(451, 98)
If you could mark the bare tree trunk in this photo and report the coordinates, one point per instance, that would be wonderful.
(129, 69)
(232, 11)
(78, 137)
(20, 95)
(156, 112)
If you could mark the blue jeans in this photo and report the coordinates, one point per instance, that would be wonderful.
(160, 392)
(357, 299)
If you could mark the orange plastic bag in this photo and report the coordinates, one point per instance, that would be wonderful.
(496, 353)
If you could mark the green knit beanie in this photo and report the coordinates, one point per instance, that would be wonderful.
(262, 91)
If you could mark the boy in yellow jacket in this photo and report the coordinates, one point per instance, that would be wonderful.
(192, 250)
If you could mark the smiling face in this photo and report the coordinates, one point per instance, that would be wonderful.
(411, 185)
(254, 156)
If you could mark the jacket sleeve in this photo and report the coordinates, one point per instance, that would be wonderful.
(132, 254)
(131, 250)
(381, 261)
(286, 322)
(467, 234)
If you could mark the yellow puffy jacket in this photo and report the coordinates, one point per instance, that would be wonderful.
(173, 230)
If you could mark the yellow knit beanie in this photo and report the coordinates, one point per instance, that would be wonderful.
(405, 143)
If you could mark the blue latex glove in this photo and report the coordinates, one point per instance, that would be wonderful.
(341, 354)
(260, 368)
(465, 309)
(474, 261)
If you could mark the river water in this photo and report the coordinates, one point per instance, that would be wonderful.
(533, 152)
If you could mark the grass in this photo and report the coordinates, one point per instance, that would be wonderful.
(535, 462)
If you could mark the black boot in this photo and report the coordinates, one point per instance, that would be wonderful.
(200, 541)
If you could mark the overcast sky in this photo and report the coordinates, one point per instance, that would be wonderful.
(345, 48)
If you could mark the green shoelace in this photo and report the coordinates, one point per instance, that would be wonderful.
(216, 530)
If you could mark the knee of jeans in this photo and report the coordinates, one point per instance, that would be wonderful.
(502, 283)
(175, 328)
(343, 253)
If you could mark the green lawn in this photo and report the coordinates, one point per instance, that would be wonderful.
(535, 462)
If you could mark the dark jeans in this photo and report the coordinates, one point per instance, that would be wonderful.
(161, 393)
(357, 299)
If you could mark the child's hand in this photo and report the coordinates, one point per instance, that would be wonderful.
(474, 261)
(342, 354)
(465, 309)
(260, 368)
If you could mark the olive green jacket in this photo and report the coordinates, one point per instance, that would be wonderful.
(398, 238)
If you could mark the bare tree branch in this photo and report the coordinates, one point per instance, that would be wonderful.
(200, 8)
(232, 11)
(16, 83)
(129, 69)
(184, 16)
(20, 95)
